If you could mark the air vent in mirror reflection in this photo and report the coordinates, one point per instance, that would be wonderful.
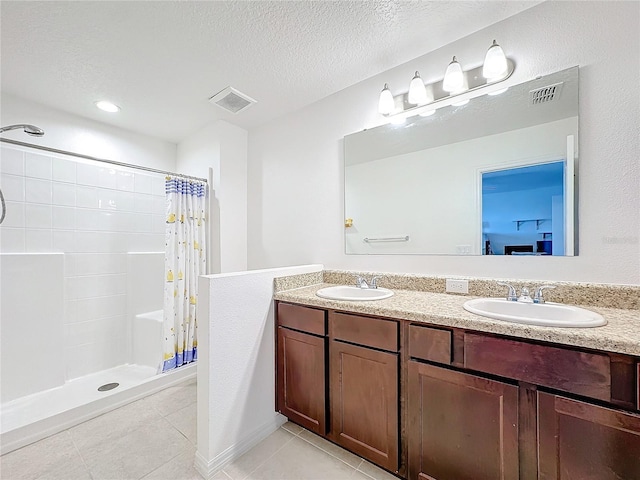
(545, 94)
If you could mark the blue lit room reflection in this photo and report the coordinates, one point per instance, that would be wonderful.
(523, 210)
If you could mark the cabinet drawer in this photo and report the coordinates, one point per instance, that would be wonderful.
(432, 344)
(568, 370)
(371, 332)
(310, 320)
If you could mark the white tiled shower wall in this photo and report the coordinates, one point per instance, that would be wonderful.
(95, 214)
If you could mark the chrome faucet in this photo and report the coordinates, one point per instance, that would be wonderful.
(362, 283)
(537, 296)
(524, 296)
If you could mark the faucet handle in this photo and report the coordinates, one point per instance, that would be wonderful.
(374, 282)
(512, 296)
(361, 282)
(537, 296)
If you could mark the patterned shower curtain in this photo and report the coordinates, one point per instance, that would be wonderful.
(185, 260)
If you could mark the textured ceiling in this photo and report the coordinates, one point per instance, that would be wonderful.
(161, 61)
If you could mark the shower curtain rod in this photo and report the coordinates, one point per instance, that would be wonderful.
(103, 160)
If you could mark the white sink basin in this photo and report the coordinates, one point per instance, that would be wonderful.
(546, 314)
(345, 292)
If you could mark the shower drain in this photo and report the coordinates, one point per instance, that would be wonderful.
(107, 387)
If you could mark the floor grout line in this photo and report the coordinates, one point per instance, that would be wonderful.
(226, 475)
(270, 456)
(79, 453)
(331, 454)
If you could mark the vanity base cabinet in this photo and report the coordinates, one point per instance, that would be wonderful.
(301, 391)
(583, 441)
(461, 426)
(364, 402)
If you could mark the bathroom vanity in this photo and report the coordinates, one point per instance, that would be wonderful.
(450, 396)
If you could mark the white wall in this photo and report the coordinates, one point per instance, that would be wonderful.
(296, 164)
(236, 370)
(72, 133)
(222, 147)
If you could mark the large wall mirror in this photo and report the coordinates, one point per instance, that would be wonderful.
(495, 176)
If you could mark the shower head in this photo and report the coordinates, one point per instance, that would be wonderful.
(28, 129)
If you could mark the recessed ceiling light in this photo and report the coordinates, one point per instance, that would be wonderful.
(107, 106)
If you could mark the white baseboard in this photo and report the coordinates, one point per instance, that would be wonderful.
(208, 468)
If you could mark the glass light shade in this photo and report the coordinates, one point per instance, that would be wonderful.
(417, 91)
(453, 77)
(386, 104)
(495, 62)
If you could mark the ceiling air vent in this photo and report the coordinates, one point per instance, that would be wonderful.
(232, 100)
(545, 94)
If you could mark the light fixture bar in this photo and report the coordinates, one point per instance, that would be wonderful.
(475, 80)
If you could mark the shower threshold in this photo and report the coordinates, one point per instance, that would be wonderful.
(31, 418)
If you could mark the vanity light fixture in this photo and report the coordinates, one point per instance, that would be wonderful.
(107, 106)
(424, 99)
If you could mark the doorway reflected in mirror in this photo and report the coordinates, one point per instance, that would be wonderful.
(523, 210)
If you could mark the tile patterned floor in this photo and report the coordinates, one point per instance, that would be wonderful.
(153, 439)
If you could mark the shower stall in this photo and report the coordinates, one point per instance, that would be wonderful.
(81, 289)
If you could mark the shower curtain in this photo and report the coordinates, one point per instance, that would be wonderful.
(185, 260)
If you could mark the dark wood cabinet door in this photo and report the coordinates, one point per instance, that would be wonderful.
(460, 426)
(301, 379)
(364, 402)
(581, 441)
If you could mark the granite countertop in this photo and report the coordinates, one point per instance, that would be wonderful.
(621, 334)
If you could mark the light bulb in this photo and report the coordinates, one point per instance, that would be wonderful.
(107, 106)
(453, 77)
(498, 92)
(386, 104)
(495, 62)
(417, 91)
(428, 113)
(460, 103)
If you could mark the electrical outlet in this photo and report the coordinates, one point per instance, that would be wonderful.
(457, 286)
(463, 249)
